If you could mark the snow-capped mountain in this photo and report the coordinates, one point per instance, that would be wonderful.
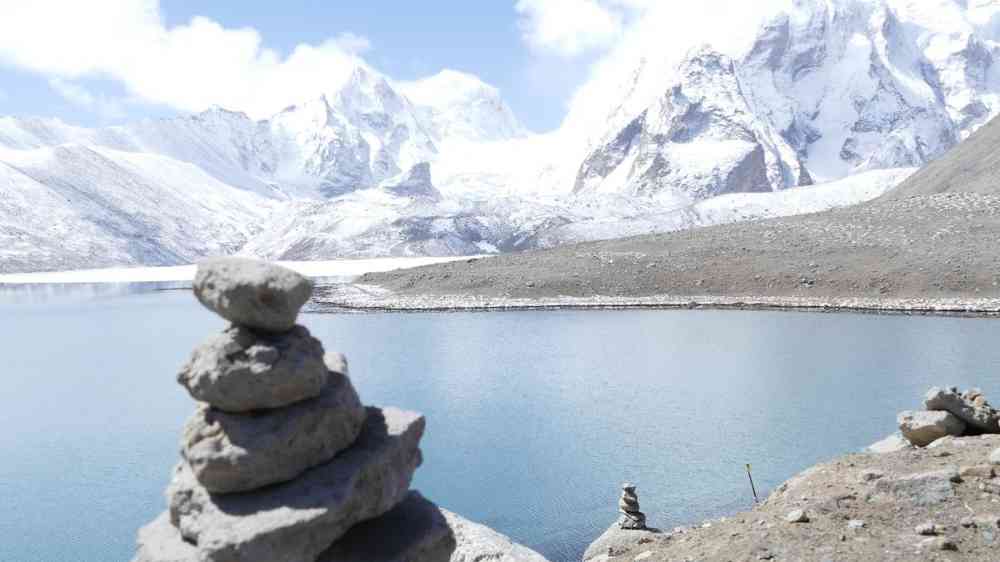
(824, 90)
(659, 139)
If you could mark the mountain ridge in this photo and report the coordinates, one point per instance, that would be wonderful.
(829, 90)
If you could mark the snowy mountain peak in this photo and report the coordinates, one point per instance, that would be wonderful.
(456, 105)
(826, 88)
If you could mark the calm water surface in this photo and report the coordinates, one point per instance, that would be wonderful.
(534, 418)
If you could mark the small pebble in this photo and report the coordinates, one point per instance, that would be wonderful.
(856, 524)
(797, 516)
(871, 475)
(995, 457)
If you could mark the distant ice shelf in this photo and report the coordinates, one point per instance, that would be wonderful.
(333, 270)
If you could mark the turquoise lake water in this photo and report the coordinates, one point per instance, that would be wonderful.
(534, 418)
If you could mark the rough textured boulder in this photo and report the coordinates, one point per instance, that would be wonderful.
(970, 407)
(414, 531)
(240, 370)
(240, 452)
(925, 488)
(297, 520)
(616, 540)
(252, 293)
(923, 428)
(475, 542)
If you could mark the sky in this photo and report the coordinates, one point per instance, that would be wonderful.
(103, 62)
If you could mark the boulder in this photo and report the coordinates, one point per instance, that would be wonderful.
(995, 457)
(924, 488)
(239, 452)
(298, 520)
(891, 444)
(240, 370)
(616, 541)
(475, 542)
(416, 530)
(252, 293)
(970, 408)
(923, 428)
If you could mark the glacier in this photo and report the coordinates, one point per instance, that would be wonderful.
(826, 103)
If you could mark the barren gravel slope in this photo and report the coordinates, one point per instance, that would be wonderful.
(941, 245)
(936, 235)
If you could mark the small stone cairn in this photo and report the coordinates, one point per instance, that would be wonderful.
(948, 412)
(281, 462)
(628, 505)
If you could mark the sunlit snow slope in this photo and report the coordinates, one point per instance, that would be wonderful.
(734, 127)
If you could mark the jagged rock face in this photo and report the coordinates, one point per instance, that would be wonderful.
(700, 134)
(826, 89)
(415, 183)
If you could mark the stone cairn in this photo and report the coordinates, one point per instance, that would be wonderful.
(281, 462)
(948, 412)
(628, 505)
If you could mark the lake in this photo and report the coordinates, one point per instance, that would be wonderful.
(534, 418)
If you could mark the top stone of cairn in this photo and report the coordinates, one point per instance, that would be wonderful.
(252, 293)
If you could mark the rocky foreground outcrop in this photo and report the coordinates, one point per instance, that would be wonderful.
(281, 462)
(895, 502)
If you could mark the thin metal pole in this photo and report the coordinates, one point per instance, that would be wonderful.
(752, 487)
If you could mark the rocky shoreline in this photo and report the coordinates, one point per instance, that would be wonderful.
(897, 501)
(372, 298)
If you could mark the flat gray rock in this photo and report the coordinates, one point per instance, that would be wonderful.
(297, 520)
(414, 531)
(924, 428)
(977, 414)
(252, 293)
(924, 488)
(240, 452)
(616, 541)
(240, 370)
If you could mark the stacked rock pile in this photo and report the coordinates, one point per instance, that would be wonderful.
(281, 462)
(628, 505)
(948, 412)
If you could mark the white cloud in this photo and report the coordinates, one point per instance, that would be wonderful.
(107, 108)
(188, 67)
(573, 27)
(568, 27)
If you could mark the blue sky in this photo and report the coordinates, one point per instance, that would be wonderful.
(535, 51)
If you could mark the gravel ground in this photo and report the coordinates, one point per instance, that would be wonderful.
(920, 249)
(939, 503)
